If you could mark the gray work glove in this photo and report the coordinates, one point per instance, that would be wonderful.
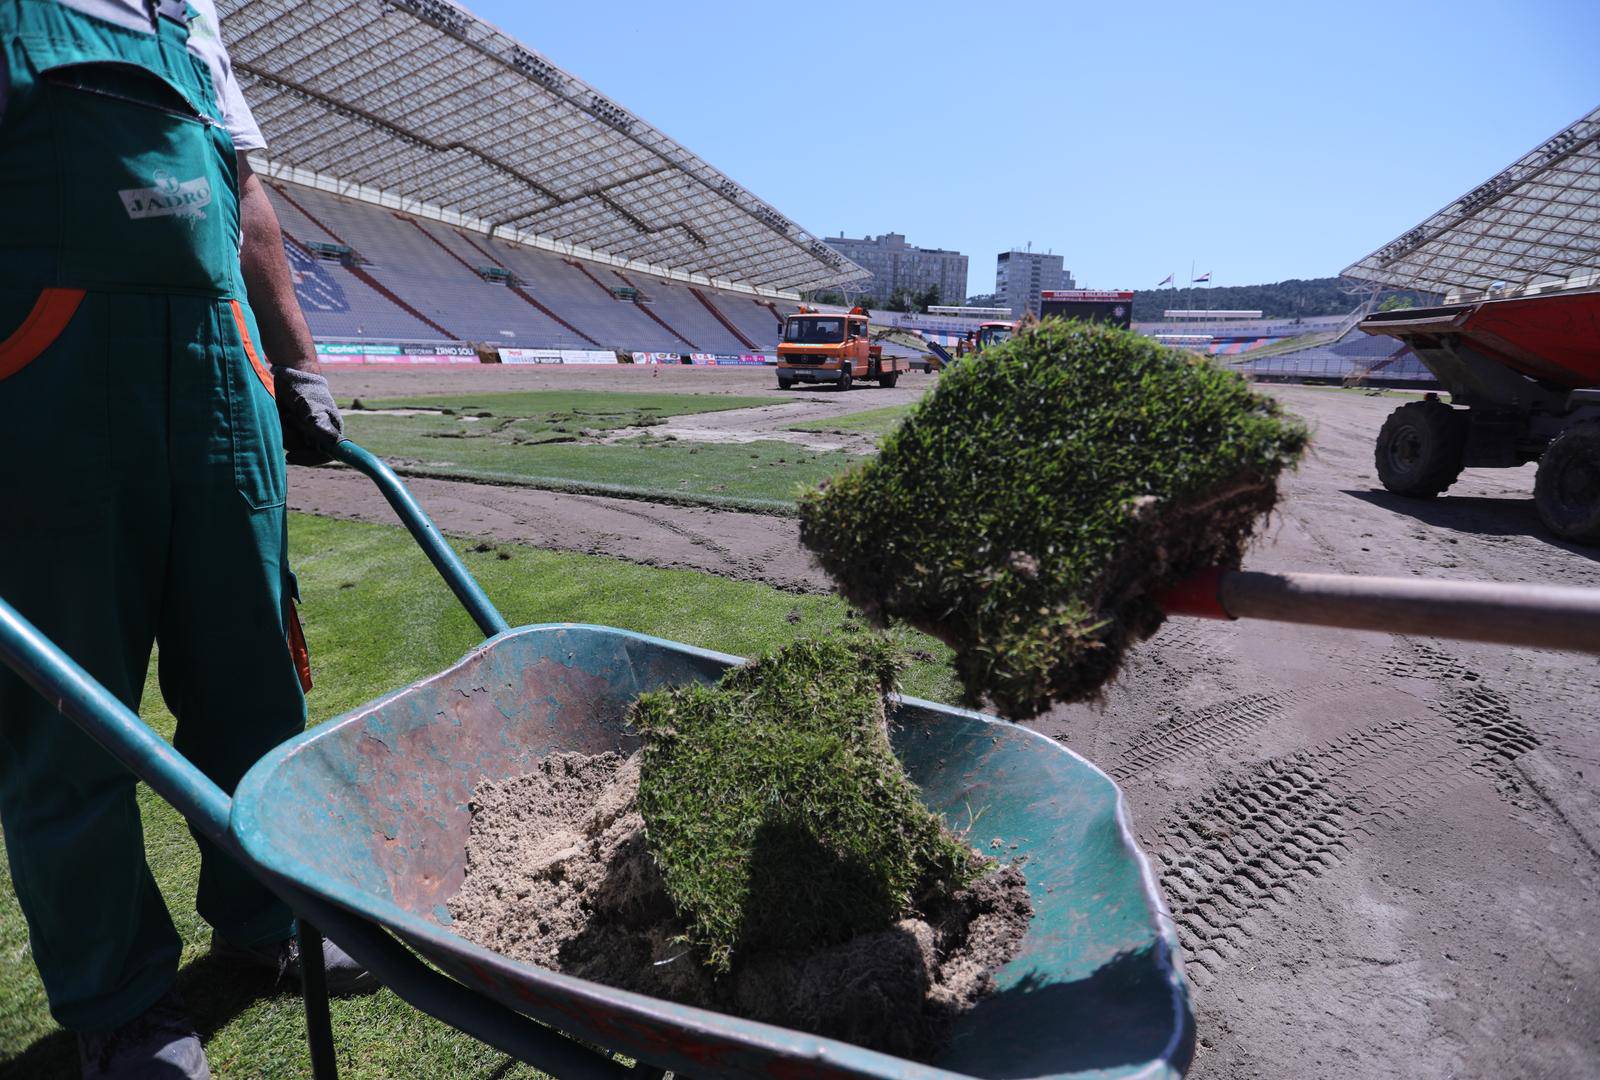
(312, 426)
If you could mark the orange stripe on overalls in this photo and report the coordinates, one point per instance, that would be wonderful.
(50, 315)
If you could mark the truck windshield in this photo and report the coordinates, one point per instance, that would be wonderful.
(993, 335)
(814, 331)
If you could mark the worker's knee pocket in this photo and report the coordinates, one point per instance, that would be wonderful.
(258, 461)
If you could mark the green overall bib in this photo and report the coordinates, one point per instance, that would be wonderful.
(141, 486)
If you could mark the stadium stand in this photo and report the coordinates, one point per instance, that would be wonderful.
(437, 179)
(758, 320)
(405, 278)
(1355, 358)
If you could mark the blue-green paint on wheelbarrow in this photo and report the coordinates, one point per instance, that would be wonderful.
(370, 812)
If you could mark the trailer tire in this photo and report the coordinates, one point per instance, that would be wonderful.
(1566, 489)
(1421, 448)
(887, 381)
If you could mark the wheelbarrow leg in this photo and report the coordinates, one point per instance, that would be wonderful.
(314, 986)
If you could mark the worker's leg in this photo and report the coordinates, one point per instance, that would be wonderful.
(83, 539)
(226, 671)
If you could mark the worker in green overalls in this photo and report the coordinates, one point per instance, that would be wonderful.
(154, 365)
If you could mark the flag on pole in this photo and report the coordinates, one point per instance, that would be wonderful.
(1203, 277)
(1165, 281)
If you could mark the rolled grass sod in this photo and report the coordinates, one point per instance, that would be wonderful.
(776, 811)
(1028, 510)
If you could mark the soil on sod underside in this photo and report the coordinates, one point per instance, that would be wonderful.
(560, 874)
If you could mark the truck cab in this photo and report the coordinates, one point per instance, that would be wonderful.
(822, 347)
(992, 333)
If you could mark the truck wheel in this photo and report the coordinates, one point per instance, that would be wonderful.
(785, 384)
(1421, 448)
(846, 379)
(1566, 489)
(887, 381)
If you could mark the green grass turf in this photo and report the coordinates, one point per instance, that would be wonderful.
(537, 439)
(1037, 498)
(775, 807)
(377, 617)
(871, 421)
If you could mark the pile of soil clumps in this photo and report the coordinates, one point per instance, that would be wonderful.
(1030, 507)
(835, 904)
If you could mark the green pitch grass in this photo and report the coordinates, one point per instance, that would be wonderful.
(870, 421)
(549, 439)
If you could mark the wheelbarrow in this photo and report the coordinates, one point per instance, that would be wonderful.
(361, 824)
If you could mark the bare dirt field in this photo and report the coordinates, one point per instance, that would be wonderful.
(1381, 852)
(749, 547)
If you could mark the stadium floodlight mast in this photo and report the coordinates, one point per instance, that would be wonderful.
(420, 106)
(1533, 226)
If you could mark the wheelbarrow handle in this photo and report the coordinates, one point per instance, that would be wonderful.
(428, 537)
(72, 690)
(1538, 616)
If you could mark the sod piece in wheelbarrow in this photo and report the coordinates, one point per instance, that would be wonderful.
(1030, 507)
(763, 855)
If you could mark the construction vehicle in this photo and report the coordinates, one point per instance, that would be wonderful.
(987, 334)
(819, 347)
(1523, 375)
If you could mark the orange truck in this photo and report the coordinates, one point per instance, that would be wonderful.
(818, 347)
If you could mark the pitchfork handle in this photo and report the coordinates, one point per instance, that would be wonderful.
(1537, 616)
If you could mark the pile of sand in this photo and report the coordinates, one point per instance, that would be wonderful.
(559, 874)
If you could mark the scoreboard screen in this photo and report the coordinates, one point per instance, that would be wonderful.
(1114, 306)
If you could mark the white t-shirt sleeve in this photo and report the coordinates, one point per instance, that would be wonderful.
(205, 40)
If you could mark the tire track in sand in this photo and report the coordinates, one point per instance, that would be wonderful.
(1253, 841)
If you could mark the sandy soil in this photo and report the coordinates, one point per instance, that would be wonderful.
(1382, 853)
(560, 874)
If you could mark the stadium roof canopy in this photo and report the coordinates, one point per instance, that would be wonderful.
(1535, 224)
(423, 107)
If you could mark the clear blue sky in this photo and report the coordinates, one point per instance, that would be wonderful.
(1263, 141)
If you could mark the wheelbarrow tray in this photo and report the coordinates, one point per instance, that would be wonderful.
(370, 812)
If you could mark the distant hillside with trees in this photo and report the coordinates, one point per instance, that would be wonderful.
(1295, 298)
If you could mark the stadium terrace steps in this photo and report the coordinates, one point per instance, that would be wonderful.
(722, 318)
(337, 303)
(753, 318)
(416, 279)
(653, 303)
(305, 215)
(516, 290)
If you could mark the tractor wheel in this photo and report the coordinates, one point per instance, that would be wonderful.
(1566, 488)
(846, 379)
(1421, 448)
(888, 380)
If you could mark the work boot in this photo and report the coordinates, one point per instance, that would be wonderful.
(158, 1044)
(345, 976)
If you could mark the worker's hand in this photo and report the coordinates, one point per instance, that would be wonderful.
(312, 426)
